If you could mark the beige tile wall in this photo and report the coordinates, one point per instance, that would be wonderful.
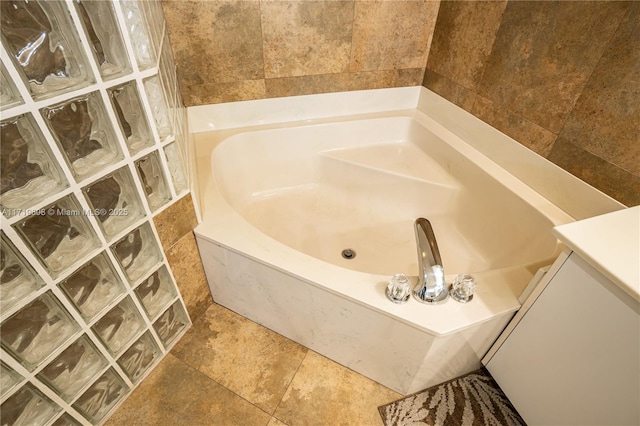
(175, 229)
(249, 49)
(562, 78)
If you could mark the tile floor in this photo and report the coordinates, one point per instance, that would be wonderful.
(228, 370)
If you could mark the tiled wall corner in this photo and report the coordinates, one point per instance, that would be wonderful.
(175, 229)
(175, 221)
(93, 132)
(187, 268)
(559, 77)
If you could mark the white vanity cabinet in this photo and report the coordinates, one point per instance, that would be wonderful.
(571, 356)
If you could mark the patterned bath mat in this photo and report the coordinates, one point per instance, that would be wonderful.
(474, 399)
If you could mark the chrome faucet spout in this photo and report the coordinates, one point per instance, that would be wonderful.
(431, 287)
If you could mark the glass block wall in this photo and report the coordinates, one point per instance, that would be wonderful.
(92, 137)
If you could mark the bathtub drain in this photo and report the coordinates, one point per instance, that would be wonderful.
(348, 253)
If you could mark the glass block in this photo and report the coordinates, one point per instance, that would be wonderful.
(73, 369)
(37, 330)
(84, 133)
(137, 252)
(131, 116)
(92, 287)
(9, 379)
(115, 202)
(169, 79)
(40, 37)
(139, 357)
(176, 167)
(156, 292)
(168, 64)
(65, 420)
(171, 323)
(153, 181)
(101, 397)
(181, 126)
(138, 30)
(159, 107)
(28, 407)
(9, 94)
(102, 31)
(17, 277)
(58, 234)
(154, 17)
(182, 118)
(118, 327)
(28, 169)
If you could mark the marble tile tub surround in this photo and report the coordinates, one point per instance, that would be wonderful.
(562, 78)
(240, 50)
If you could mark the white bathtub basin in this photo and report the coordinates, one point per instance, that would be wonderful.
(361, 184)
(280, 200)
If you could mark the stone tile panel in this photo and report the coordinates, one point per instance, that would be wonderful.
(214, 42)
(608, 178)
(325, 83)
(250, 360)
(176, 394)
(176, 221)
(544, 53)
(606, 119)
(306, 38)
(463, 40)
(392, 35)
(449, 90)
(215, 93)
(526, 132)
(325, 393)
(184, 259)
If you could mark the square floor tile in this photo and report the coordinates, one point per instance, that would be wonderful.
(247, 358)
(176, 394)
(326, 393)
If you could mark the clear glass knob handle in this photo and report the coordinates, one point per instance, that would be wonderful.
(399, 288)
(463, 288)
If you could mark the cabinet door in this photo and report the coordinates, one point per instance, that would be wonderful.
(574, 358)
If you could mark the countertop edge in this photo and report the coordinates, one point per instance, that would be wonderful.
(611, 244)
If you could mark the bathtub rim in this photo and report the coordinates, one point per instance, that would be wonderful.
(574, 196)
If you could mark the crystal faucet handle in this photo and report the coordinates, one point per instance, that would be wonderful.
(463, 288)
(399, 288)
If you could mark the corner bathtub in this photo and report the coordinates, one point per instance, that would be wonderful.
(280, 201)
